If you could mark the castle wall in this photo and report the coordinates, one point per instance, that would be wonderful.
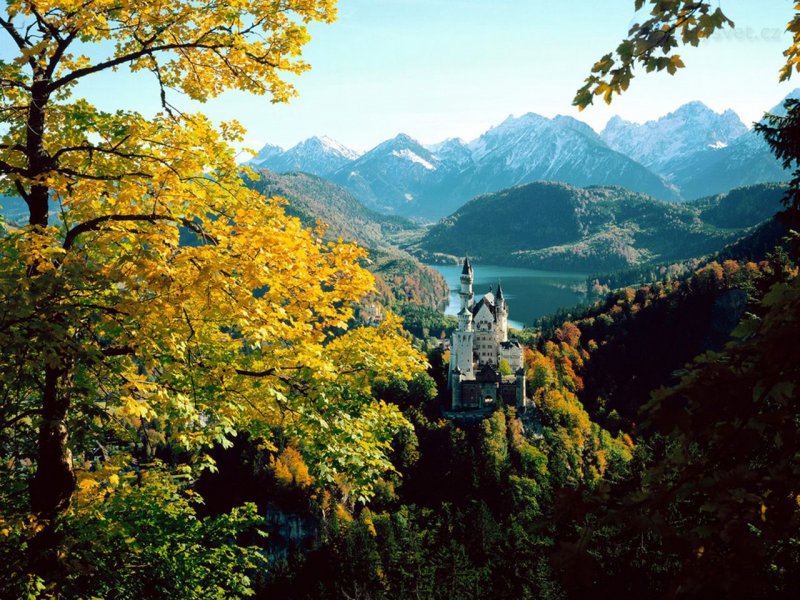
(512, 355)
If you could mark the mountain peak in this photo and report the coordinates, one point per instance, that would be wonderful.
(693, 107)
(316, 155)
(659, 143)
(267, 152)
(328, 144)
(400, 141)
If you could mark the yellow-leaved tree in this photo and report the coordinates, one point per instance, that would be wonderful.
(152, 291)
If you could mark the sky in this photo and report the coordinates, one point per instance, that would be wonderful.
(436, 69)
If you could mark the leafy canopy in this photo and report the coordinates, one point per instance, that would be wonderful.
(153, 300)
(651, 45)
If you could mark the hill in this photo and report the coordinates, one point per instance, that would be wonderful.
(312, 198)
(557, 226)
(401, 279)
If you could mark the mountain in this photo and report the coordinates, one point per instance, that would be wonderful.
(745, 161)
(558, 226)
(689, 153)
(14, 210)
(400, 278)
(316, 155)
(267, 154)
(312, 198)
(453, 150)
(698, 150)
(402, 176)
(532, 147)
(659, 144)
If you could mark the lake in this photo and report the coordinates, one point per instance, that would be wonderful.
(530, 293)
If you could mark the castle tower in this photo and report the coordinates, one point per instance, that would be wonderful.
(465, 320)
(467, 297)
(461, 346)
(502, 315)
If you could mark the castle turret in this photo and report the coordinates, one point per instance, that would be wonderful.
(461, 346)
(467, 297)
(501, 313)
(465, 319)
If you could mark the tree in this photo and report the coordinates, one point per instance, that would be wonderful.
(713, 508)
(782, 133)
(651, 45)
(152, 297)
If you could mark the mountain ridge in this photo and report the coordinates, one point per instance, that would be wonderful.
(555, 226)
(689, 153)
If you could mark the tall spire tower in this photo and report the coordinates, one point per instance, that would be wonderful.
(467, 297)
(501, 312)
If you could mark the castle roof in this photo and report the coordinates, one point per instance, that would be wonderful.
(510, 344)
(488, 374)
(488, 301)
(467, 270)
(499, 292)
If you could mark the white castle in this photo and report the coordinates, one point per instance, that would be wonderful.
(478, 347)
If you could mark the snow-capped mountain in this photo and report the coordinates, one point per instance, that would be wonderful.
(404, 177)
(453, 150)
(399, 176)
(662, 144)
(266, 154)
(317, 155)
(746, 160)
(531, 148)
(689, 153)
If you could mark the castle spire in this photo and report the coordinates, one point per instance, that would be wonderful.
(467, 270)
(466, 293)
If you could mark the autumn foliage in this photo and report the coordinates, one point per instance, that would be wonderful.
(154, 305)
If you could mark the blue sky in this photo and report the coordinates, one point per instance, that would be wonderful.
(453, 68)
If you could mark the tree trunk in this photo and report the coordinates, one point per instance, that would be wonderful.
(54, 483)
(39, 161)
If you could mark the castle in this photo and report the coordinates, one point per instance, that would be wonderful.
(479, 348)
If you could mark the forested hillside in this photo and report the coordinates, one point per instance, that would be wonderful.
(559, 227)
(557, 500)
(401, 279)
(315, 200)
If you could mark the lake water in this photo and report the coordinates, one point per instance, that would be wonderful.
(530, 294)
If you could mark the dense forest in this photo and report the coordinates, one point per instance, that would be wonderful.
(555, 226)
(602, 485)
(205, 393)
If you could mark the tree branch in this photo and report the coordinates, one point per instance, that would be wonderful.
(96, 223)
